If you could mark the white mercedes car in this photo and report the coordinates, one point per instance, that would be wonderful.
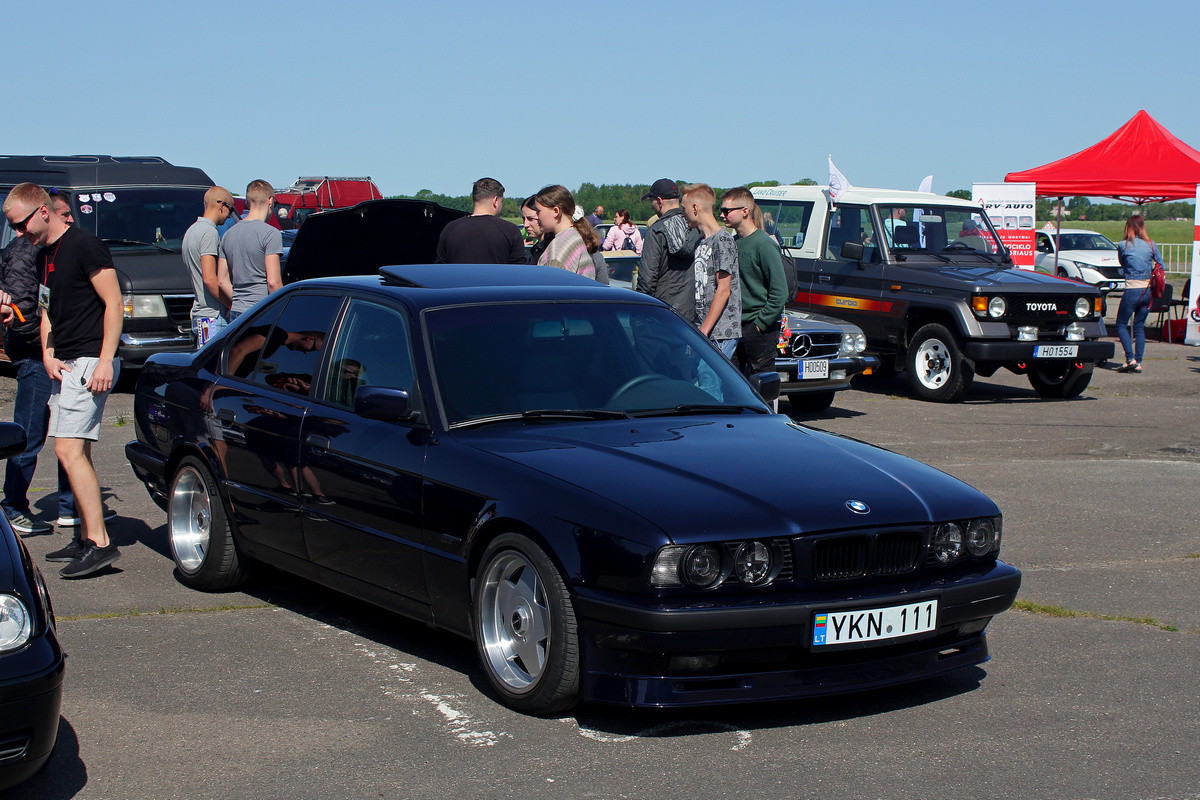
(1084, 256)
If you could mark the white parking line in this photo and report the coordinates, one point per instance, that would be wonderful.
(743, 737)
(464, 727)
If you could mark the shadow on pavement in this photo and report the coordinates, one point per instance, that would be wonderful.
(63, 776)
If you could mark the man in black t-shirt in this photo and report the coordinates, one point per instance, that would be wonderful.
(81, 326)
(483, 237)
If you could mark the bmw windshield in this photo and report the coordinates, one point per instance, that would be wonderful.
(533, 362)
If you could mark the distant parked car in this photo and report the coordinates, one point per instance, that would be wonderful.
(818, 356)
(1084, 256)
(31, 659)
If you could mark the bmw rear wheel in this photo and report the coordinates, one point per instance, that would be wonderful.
(525, 628)
(199, 533)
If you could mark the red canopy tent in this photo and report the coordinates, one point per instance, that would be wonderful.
(1141, 162)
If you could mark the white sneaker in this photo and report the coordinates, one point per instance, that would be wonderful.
(72, 522)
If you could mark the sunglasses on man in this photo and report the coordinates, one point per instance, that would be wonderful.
(19, 227)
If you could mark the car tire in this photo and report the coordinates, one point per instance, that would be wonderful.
(198, 530)
(936, 368)
(812, 402)
(1062, 380)
(1062, 273)
(525, 628)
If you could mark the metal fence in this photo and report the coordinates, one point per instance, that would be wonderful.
(1177, 258)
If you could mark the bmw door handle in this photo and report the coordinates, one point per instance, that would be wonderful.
(823, 278)
(317, 442)
(226, 415)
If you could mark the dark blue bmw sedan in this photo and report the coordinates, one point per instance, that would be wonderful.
(31, 659)
(571, 476)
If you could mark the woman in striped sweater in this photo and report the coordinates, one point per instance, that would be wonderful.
(568, 250)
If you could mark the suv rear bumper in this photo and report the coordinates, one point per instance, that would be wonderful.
(1008, 352)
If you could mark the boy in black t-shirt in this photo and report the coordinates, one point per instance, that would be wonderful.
(81, 325)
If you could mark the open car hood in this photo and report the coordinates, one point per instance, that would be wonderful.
(360, 240)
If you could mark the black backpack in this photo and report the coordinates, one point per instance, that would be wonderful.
(789, 274)
(628, 244)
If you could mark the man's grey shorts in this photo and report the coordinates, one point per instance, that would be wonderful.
(75, 413)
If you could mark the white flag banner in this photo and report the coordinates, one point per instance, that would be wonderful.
(837, 181)
(926, 185)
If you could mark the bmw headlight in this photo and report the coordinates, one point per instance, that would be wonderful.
(1082, 307)
(141, 306)
(981, 536)
(997, 307)
(702, 566)
(754, 563)
(15, 623)
(947, 544)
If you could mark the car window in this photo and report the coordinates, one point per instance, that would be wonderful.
(518, 357)
(786, 222)
(372, 349)
(1043, 244)
(853, 224)
(284, 355)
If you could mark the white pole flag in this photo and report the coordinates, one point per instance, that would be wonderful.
(926, 185)
(1192, 335)
(837, 181)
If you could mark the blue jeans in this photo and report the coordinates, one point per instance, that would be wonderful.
(32, 412)
(1134, 303)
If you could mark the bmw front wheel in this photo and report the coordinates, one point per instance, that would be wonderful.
(525, 628)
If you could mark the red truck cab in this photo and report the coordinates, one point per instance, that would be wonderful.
(309, 195)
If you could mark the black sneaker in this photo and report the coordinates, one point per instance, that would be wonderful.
(93, 559)
(69, 553)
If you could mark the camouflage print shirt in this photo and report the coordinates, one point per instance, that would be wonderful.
(718, 253)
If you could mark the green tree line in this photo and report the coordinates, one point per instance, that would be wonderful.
(587, 196)
(629, 196)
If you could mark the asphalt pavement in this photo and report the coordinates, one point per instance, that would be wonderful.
(289, 690)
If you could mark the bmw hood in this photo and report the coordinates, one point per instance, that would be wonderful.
(700, 478)
(360, 240)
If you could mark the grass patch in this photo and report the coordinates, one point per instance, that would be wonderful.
(1059, 611)
(1191, 555)
(121, 422)
(134, 612)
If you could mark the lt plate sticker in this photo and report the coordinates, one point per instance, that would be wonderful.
(876, 624)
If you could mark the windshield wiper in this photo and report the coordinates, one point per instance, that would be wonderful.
(545, 413)
(162, 247)
(698, 408)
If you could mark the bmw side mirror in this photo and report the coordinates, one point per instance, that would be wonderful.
(767, 385)
(383, 403)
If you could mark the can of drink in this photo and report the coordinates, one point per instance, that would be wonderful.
(202, 330)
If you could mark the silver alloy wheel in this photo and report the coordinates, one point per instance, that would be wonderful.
(189, 519)
(514, 621)
(933, 363)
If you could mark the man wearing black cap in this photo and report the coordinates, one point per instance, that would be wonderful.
(665, 271)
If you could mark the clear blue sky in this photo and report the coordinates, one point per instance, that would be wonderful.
(436, 94)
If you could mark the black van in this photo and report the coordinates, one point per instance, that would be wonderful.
(140, 206)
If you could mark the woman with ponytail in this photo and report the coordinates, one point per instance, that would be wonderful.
(1137, 254)
(568, 250)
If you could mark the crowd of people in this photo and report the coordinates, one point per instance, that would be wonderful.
(716, 264)
(724, 275)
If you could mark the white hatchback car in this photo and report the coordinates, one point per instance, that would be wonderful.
(1085, 256)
